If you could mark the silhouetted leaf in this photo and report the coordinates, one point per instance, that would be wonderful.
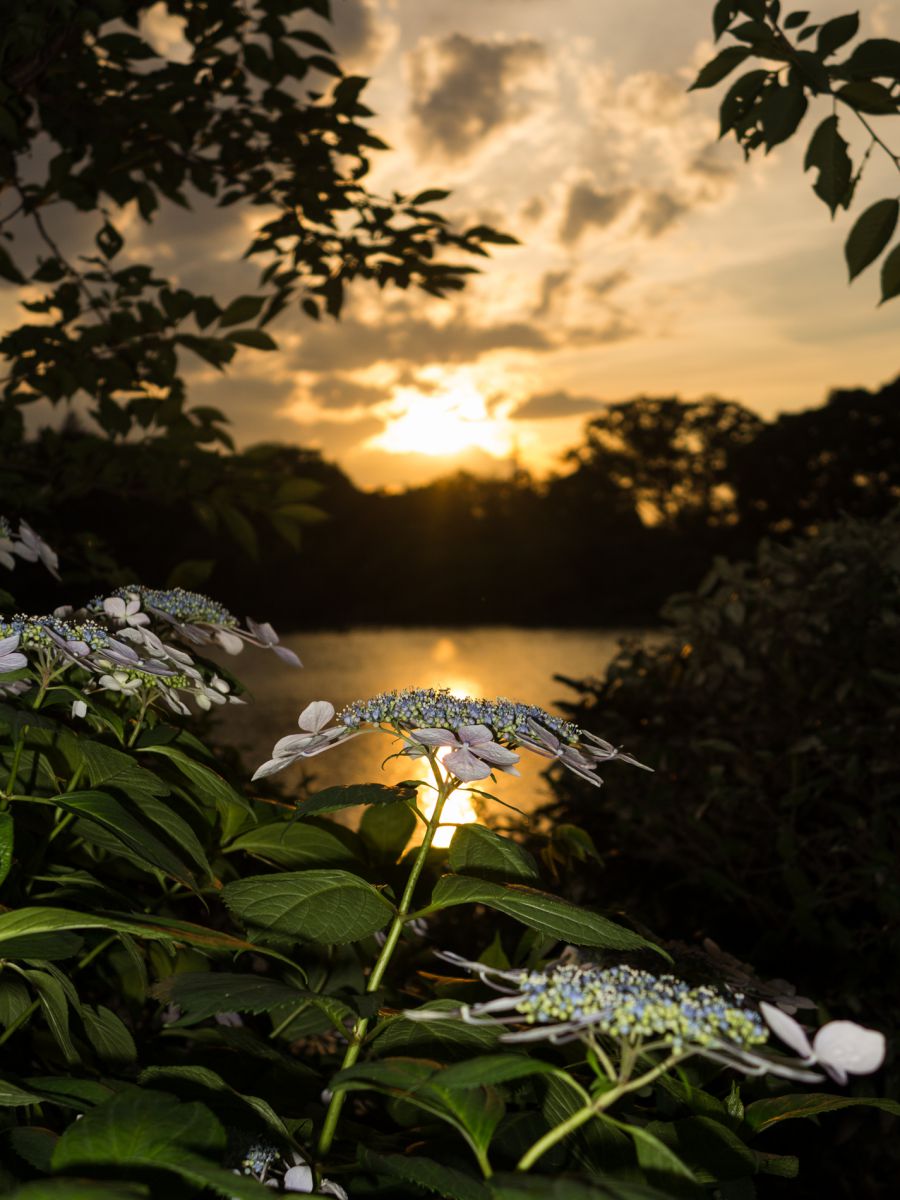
(720, 66)
(870, 234)
(827, 153)
(833, 34)
(890, 275)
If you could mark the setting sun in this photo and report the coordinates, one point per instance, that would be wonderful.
(447, 421)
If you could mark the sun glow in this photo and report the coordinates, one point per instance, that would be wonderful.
(451, 419)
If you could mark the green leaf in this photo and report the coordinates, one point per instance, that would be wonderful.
(244, 308)
(257, 339)
(152, 1129)
(477, 851)
(7, 828)
(298, 844)
(108, 1035)
(195, 1079)
(762, 1113)
(202, 994)
(55, 1007)
(15, 998)
(38, 920)
(445, 1039)
(660, 1164)
(827, 153)
(890, 275)
(710, 1148)
(33, 1144)
(13, 1096)
(544, 1187)
(49, 946)
(538, 910)
(720, 66)
(870, 234)
(492, 1069)
(386, 828)
(314, 906)
(81, 1189)
(424, 1173)
(475, 1112)
(833, 34)
(145, 847)
(334, 798)
(207, 785)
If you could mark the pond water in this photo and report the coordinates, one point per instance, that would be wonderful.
(357, 663)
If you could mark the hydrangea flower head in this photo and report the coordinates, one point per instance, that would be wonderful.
(568, 1001)
(481, 735)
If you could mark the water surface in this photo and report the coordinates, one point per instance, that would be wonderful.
(357, 663)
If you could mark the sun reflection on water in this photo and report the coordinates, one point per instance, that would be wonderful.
(459, 809)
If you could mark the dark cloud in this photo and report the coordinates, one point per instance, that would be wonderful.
(404, 338)
(463, 89)
(547, 405)
(552, 284)
(534, 209)
(337, 391)
(659, 210)
(609, 283)
(586, 206)
(618, 328)
(357, 34)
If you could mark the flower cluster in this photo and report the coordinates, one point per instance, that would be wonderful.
(25, 544)
(196, 618)
(284, 1172)
(636, 1008)
(480, 736)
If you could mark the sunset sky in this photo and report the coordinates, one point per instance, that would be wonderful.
(653, 260)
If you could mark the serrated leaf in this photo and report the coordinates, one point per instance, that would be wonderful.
(110, 815)
(152, 1129)
(890, 275)
(434, 1177)
(315, 906)
(485, 854)
(870, 234)
(298, 844)
(762, 1113)
(720, 66)
(203, 994)
(207, 785)
(108, 1034)
(538, 910)
(447, 1039)
(492, 1069)
(334, 798)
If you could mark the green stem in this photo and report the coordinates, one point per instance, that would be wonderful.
(17, 754)
(583, 1115)
(445, 788)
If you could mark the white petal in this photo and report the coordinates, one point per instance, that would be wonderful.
(114, 606)
(791, 1032)
(844, 1047)
(293, 744)
(12, 662)
(434, 737)
(287, 656)
(329, 1188)
(474, 733)
(229, 642)
(316, 716)
(79, 708)
(271, 767)
(8, 644)
(499, 756)
(466, 766)
(298, 1179)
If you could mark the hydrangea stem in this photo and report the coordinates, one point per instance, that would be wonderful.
(582, 1115)
(445, 787)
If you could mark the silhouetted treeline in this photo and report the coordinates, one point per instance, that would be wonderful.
(639, 508)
